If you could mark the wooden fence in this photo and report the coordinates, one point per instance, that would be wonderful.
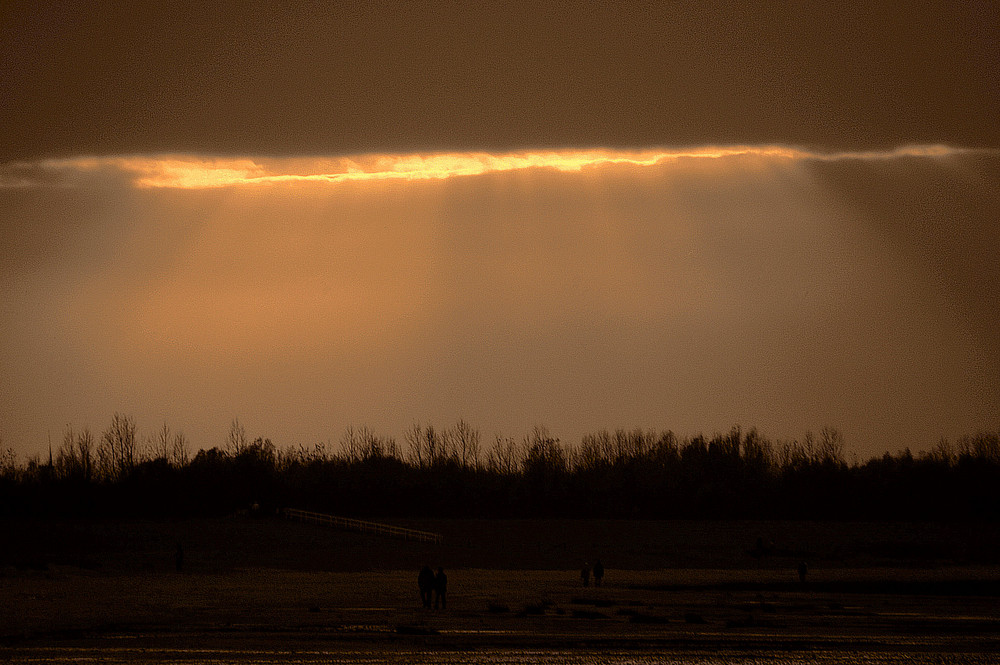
(363, 526)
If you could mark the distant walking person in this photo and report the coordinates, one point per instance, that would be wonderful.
(803, 569)
(585, 574)
(440, 589)
(598, 572)
(425, 582)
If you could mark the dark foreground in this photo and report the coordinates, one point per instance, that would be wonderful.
(874, 599)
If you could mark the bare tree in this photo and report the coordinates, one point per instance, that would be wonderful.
(377, 446)
(543, 452)
(364, 444)
(8, 461)
(85, 452)
(162, 445)
(831, 446)
(116, 453)
(433, 449)
(179, 454)
(236, 441)
(66, 463)
(503, 456)
(414, 438)
(465, 443)
(589, 453)
(380, 446)
(809, 446)
(74, 457)
(943, 452)
(604, 446)
(983, 446)
(756, 450)
(351, 444)
(621, 443)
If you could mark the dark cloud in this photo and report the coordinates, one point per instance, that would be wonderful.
(332, 78)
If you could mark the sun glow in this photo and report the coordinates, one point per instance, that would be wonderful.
(200, 172)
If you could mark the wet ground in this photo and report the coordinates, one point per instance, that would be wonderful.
(267, 615)
(496, 657)
(126, 603)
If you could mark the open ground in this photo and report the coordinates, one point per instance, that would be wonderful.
(270, 585)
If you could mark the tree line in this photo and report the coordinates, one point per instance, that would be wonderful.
(450, 472)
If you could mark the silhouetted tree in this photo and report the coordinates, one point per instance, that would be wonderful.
(503, 457)
(236, 440)
(179, 451)
(628, 473)
(163, 445)
(463, 440)
(116, 453)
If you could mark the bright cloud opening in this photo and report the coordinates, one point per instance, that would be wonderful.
(198, 172)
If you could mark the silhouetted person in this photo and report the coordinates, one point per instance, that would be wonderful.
(803, 569)
(425, 582)
(598, 572)
(179, 558)
(585, 574)
(440, 589)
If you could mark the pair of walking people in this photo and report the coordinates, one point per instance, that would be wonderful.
(433, 586)
(597, 570)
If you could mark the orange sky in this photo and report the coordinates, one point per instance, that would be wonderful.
(681, 215)
(765, 287)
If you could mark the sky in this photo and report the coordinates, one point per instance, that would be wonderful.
(673, 215)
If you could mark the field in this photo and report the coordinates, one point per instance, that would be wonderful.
(266, 585)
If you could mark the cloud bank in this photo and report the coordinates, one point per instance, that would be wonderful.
(195, 172)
